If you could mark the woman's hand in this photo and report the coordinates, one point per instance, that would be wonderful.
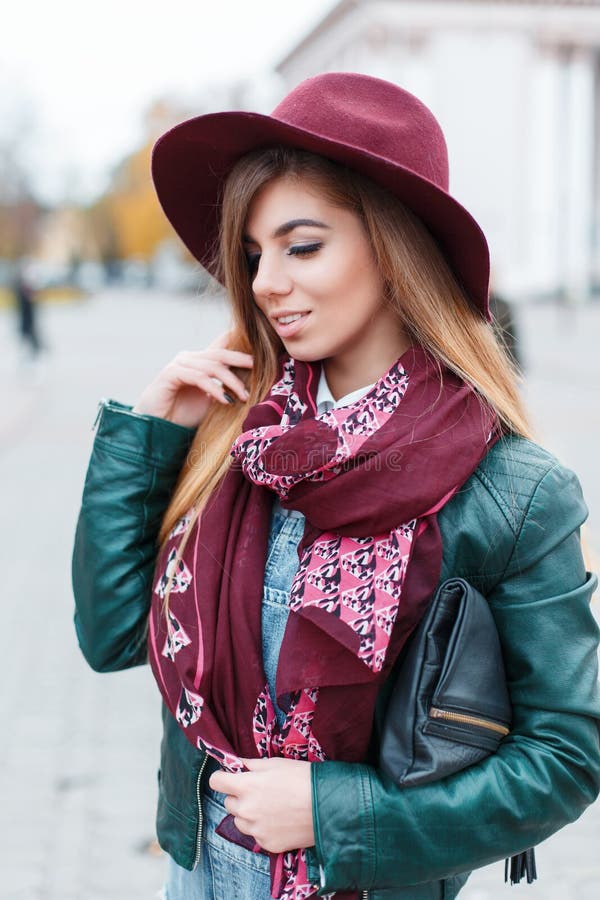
(183, 391)
(272, 802)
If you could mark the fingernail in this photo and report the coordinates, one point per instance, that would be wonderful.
(228, 397)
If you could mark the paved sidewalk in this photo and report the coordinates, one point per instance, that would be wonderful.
(79, 751)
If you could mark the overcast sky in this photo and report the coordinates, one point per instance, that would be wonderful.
(77, 76)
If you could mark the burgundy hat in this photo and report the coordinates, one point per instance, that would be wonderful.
(369, 125)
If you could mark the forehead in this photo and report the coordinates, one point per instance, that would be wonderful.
(300, 196)
(289, 198)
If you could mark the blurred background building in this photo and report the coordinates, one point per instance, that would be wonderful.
(516, 88)
(515, 85)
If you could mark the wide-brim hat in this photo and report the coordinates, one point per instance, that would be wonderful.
(364, 123)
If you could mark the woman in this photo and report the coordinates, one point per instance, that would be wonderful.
(355, 438)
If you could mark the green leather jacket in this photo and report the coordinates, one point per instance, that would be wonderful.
(512, 531)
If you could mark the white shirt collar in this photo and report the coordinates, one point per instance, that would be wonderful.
(325, 398)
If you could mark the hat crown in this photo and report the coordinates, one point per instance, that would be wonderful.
(373, 116)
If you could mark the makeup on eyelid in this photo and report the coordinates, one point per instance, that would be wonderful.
(300, 250)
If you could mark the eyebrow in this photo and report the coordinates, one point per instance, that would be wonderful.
(284, 229)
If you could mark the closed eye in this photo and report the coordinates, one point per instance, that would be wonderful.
(304, 249)
(253, 259)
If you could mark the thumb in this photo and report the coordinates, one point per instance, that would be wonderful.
(256, 765)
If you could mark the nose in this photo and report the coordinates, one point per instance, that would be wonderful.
(270, 277)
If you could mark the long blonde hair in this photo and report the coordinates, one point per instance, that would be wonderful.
(419, 286)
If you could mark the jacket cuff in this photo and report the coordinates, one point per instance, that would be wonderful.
(343, 825)
(142, 438)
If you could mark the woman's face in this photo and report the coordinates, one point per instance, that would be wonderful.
(312, 260)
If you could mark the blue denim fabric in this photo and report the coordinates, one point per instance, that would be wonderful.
(226, 870)
(287, 528)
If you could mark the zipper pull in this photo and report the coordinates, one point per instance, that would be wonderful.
(101, 405)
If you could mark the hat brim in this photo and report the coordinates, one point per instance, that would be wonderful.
(191, 162)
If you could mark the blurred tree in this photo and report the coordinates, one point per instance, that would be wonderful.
(128, 220)
(130, 215)
(19, 223)
(102, 225)
(19, 211)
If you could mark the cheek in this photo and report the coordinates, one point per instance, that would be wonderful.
(259, 304)
(357, 266)
(336, 277)
(361, 285)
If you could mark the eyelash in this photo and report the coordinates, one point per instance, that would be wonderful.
(304, 249)
(253, 259)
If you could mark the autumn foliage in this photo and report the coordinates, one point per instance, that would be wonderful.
(128, 220)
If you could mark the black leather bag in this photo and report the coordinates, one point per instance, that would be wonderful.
(450, 706)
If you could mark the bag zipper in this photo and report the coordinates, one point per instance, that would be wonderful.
(200, 818)
(437, 713)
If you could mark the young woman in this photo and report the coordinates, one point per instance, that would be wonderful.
(270, 521)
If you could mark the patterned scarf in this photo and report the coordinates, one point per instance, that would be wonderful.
(369, 478)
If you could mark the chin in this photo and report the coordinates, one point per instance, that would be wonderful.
(305, 355)
(307, 350)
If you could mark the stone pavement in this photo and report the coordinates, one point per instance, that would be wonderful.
(79, 751)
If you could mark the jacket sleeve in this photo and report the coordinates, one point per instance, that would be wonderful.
(134, 464)
(371, 833)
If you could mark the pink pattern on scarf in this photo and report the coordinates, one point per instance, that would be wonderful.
(293, 740)
(353, 426)
(359, 580)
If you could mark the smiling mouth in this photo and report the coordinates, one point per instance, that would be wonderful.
(287, 326)
(287, 320)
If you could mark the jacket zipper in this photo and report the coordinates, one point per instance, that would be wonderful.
(437, 713)
(101, 406)
(200, 818)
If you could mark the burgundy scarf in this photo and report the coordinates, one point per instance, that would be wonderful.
(369, 478)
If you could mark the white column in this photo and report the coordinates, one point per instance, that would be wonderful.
(545, 145)
(596, 166)
(578, 140)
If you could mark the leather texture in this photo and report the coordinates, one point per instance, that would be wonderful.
(511, 532)
(134, 465)
(453, 665)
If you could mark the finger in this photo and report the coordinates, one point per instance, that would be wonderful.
(185, 376)
(220, 354)
(225, 783)
(231, 379)
(257, 765)
(207, 381)
(243, 825)
(217, 381)
(231, 804)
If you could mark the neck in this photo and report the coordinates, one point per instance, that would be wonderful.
(357, 366)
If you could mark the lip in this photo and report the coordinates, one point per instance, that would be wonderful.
(290, 329)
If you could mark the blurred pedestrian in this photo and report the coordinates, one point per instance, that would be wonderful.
(269, 522)
(27, 314)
